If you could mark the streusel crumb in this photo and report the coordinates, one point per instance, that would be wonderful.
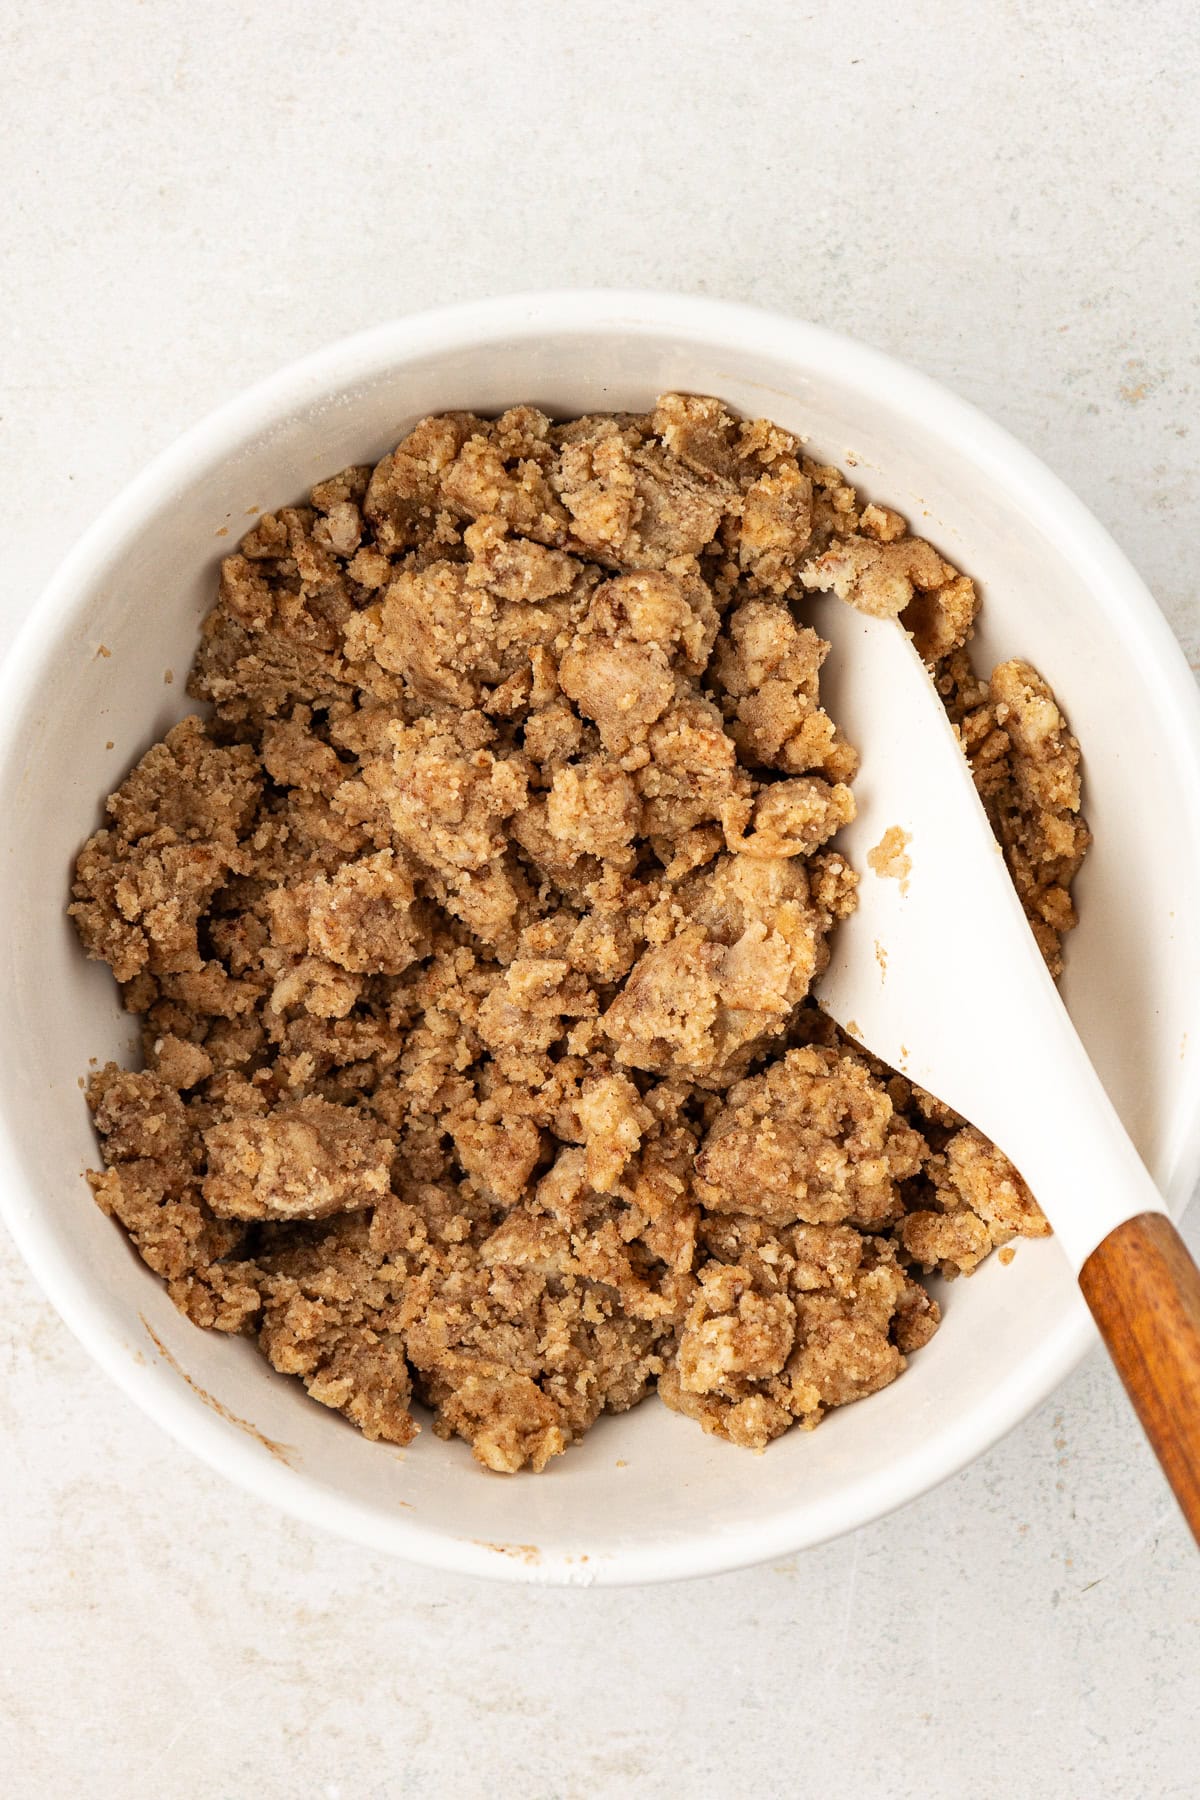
(473, 930)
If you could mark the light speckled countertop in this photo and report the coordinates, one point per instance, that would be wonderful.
(1004, 196)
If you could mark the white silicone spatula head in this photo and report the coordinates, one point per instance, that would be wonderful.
(937, 971)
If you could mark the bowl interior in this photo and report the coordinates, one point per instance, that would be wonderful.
(102, 677)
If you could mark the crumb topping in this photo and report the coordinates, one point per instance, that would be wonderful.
(472, 933)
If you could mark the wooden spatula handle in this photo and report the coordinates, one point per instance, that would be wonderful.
(1144, 1292)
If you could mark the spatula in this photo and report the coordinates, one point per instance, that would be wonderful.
(938, 973)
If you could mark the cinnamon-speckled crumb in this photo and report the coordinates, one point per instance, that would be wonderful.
(890, 859)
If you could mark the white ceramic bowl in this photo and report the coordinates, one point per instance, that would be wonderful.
(647, 1496)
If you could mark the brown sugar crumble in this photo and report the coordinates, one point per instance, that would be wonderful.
(472, 934)
(890, 859)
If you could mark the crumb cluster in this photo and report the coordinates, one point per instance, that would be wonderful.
(472, 933)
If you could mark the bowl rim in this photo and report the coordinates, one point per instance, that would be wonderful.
(154, 1386)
